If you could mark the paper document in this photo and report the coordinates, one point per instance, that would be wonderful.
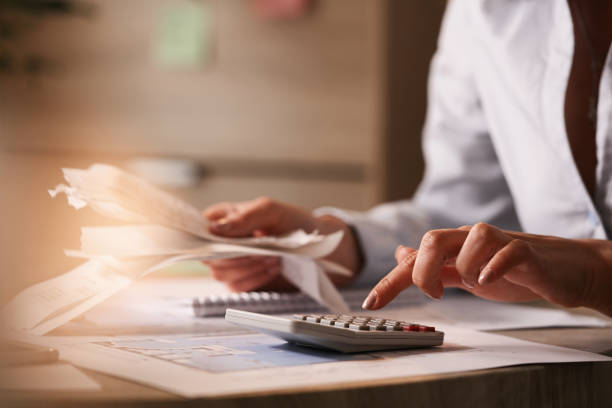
(118, 255)
(146, 240)
(41, 303)
(461, 309)
(119, 195)
(50, 304)
(208, 366)
(163, 305)
(148, 334)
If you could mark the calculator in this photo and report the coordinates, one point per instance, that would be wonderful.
(340, 332)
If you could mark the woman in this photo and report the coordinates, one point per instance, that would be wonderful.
(518, 137)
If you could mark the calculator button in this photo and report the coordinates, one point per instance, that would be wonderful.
(392, 322)
(363, 323)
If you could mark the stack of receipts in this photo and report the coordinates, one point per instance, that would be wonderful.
(163, 230)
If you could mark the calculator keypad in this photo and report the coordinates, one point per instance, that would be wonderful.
(364, 323)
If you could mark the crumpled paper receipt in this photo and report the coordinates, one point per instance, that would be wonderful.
(164, 230)
(120, 195)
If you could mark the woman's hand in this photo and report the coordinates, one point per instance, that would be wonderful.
(503, 265)
(264, 216)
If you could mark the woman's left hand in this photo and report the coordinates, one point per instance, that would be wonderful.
(503, 265)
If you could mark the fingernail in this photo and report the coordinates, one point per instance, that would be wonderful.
(485, 276)
(370, 300)
(437, 293)
(468, 284)
(433, 297)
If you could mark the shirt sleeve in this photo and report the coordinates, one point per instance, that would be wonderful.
(463, 182)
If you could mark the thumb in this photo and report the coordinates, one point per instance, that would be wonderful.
(218, 211)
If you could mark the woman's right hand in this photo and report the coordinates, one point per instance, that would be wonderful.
(264, 216)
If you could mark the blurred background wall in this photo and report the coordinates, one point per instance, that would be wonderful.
(215, 100)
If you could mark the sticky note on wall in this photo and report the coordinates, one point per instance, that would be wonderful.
(185, 36)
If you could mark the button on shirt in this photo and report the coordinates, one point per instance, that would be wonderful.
(495, 144)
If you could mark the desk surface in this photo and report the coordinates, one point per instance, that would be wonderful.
(536, 385)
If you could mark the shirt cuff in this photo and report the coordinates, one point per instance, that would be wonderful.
(377, 244)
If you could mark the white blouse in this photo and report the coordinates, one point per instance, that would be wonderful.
(495, 143)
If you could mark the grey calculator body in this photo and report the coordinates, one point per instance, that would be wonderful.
(343, 339)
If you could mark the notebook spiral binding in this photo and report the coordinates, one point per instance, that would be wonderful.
(279, 303)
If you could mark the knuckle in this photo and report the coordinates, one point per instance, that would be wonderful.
(520, 248)
(483, 231)
(432, 239)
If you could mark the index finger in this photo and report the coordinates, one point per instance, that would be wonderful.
(392, 284)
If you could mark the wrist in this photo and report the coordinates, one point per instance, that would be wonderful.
(599, 285)
(348, 252)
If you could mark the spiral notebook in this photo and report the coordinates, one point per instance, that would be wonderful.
(279, 303)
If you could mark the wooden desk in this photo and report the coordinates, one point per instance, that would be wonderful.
(536, 385)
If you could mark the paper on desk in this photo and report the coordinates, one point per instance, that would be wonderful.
(46, 377)
(306, 273)
(461, 309)
(50, 304)
(46, 300)
(463, 350)
(120, 195)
